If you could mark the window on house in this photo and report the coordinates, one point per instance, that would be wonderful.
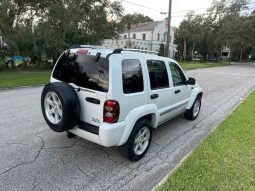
(134, 36)
(158, 36)
(224, 54)
(144, 36)
(125, 36)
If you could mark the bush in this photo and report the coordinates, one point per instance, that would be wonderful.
(188, 58)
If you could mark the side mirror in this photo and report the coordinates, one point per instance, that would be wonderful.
(191, 81)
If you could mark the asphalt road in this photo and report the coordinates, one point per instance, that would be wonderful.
(32, 157)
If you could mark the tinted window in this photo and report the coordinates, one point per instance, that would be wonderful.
(84, 71)
(158, 74)
(132, 76)
(177, 75)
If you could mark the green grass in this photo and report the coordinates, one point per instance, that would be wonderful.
(197, 65)
(225, 160)
(23, 78)
(10, 79)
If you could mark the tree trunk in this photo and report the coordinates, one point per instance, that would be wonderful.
(241, 55)
(184, 49)
(193, 49)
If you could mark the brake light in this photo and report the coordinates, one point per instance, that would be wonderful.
(111, 111)
(82, 51)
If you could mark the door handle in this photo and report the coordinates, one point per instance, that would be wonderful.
(154, 96)
(177, 91)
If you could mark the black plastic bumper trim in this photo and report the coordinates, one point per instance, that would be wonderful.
(89, 128)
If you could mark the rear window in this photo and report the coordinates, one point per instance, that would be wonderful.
(84, 71)
(132, 76)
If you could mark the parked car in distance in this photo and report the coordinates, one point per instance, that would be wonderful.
(117, 98)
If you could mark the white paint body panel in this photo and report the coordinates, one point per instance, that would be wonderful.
(132, 106)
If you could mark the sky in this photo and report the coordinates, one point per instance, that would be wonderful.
(179, 8)
(152, 8)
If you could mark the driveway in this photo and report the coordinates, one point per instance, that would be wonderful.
(32, 157)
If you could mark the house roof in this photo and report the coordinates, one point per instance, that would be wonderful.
(144, 27)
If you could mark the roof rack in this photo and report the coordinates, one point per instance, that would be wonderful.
(87, 46)
(142, 51)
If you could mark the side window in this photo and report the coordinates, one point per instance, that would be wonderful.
(177, 75)
(158, 74)
(132, 76)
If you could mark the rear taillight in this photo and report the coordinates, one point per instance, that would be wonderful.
(111, 111)
(82, 51)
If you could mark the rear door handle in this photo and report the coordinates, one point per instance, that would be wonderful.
(154, 96)
(177, 91)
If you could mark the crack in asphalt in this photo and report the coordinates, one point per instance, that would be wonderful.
(135, 170)
(195, 126)
(108, 156)
(29, 162)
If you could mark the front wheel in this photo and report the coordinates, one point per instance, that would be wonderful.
(139, 141)
(193, 112)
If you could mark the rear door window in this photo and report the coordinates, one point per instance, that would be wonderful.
(158, 74)
(132, 76)
(84, 71)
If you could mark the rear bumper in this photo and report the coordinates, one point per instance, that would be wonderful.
(106, 134)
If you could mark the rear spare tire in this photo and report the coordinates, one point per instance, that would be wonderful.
(60, 106)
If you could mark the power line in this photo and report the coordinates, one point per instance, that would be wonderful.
(141, 6)
(251, 8)
(156, 10)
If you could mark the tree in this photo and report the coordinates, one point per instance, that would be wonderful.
(222, 25)
(57, 24)
(134, 19)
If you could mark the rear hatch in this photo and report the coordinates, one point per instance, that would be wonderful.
(89, 76)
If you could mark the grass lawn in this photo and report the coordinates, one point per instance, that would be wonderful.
(196, 65)
(12, 79)
(225, 160)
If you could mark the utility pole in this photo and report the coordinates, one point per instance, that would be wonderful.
(168, 28)
(129, 41)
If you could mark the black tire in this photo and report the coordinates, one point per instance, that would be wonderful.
(190, 113)
(128, 150)
(70, 106)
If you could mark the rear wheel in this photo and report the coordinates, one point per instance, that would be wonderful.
(139, 141)
(60, 106)
(193, 112)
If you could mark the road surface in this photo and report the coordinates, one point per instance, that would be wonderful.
(32, 157)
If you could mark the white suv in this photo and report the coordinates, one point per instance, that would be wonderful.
(116, 98)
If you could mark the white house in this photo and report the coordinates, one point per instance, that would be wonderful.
(225, 53)
(145, 36)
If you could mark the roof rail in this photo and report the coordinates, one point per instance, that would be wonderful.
(142, 51)
(87, 46)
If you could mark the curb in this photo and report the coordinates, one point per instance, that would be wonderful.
(179, 164)
(21, 87)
